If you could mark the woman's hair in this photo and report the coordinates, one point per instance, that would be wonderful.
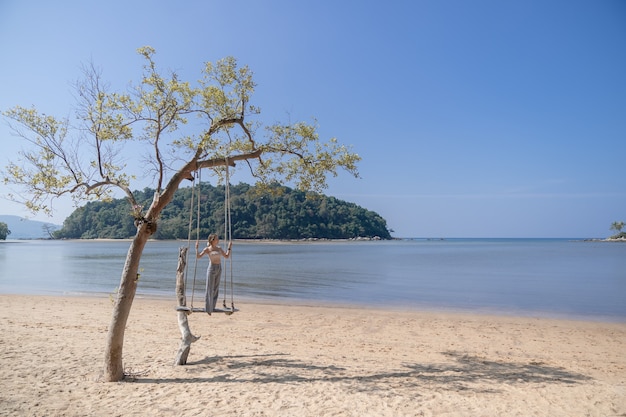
(212, 237)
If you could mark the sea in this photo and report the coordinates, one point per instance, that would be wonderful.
(558, 278)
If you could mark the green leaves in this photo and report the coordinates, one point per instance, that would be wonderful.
(617, 226)
(41, 170)
(90, 159)
(4, 231)
(303, 159)
(226, 90)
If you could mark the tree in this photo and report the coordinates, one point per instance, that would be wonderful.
(87, 161)
(617, 226)
(4, 231)
(48, 229)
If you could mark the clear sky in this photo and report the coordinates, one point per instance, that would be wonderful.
(483, 118)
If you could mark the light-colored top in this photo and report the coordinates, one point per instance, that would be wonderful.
(215, 253)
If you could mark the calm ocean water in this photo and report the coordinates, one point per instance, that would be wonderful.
(543, 277)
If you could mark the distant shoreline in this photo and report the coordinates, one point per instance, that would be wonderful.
(609, 239)
(322, 240)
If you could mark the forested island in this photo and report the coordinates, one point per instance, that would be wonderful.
(277, 213)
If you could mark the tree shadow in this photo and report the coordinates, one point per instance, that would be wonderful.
(469, 371)
(216, 359)
(465, 372)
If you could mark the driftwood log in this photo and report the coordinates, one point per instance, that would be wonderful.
(183, 323)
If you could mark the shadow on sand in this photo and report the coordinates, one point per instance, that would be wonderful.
(464, 372)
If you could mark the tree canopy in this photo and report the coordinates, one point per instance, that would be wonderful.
(283, 213)
(179, 129)
(176, 128)
(4, 231)
(618, 226)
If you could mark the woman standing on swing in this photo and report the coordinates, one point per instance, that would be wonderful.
(214, 271)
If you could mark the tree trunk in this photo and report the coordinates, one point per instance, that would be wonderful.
(113, 365)
(183, 323)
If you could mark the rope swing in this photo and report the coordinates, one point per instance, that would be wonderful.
(227, 273)
(228, 237)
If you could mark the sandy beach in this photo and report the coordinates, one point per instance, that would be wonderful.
(288, 360)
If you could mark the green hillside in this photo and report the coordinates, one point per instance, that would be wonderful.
(283, 213)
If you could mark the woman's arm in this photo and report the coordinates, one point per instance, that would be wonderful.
(199, 255)
(227, 254)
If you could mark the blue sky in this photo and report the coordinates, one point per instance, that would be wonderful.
(483, 118)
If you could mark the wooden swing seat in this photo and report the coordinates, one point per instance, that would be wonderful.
(227, 311)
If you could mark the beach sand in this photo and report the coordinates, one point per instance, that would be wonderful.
(294, 360)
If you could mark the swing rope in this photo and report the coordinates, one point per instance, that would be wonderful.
(195, 267)
(228, 236)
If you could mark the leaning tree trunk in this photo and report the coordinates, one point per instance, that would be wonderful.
(183, 324)
(113, 365)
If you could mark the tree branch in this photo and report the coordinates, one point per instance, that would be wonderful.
(215, 162)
